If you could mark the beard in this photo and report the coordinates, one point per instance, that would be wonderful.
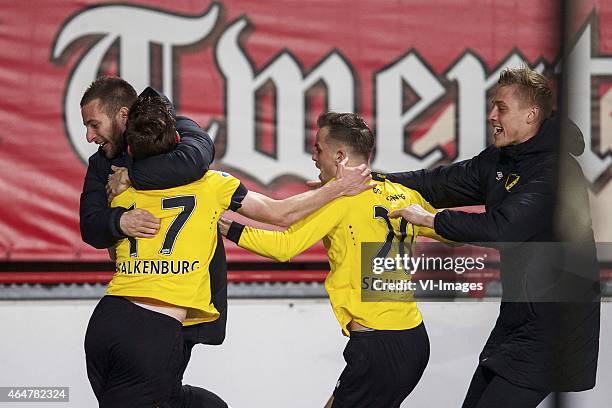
(117, 144)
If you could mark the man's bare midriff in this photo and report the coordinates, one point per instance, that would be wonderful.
(354, 326)
(176, 312)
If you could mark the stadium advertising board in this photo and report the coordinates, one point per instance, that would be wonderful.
(257, 74)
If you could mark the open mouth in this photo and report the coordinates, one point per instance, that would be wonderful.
(497, 130)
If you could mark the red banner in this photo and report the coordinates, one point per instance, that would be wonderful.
(256, 75)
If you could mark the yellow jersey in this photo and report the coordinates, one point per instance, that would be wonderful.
(344, 224)
(173, 266)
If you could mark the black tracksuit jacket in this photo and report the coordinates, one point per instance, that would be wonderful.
(545, 337)
(187, 163)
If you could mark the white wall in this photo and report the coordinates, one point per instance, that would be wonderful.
(278, 353)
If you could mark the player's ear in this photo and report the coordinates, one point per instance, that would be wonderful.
(123, 114)
(178, 137)
(340, 155)
(533, 115)
(130, 150)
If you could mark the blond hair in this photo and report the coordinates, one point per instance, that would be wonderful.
(531, 87)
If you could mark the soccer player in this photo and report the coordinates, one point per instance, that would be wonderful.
(134, 343)
(546, 337)
(164, 281)
(388, 348)
(104, 108)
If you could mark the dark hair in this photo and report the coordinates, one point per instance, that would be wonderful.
(532, 88)
(349, 129)
(151, 128)
(113, 92)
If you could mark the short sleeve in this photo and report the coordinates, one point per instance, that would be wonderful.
(230, 190)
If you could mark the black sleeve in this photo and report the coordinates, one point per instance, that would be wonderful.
(237, 197)
(187, 163)
(455, 185)
(522, 215)
(99, 223)
(235, 232)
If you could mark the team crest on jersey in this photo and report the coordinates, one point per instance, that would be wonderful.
(511, 181)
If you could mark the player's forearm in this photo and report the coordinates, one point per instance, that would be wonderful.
(431, 233)
(445, 186)
(292, 209)
(270, 244)
(100, 228)
(520, 217)
(98, 223)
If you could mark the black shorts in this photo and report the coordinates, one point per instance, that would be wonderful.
(134, 355)
(383, 367)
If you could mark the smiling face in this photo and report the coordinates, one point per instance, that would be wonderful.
(513, 120)
(103, 130)
(325, 155)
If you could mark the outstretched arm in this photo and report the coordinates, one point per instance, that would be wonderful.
(455, 185)
(517, 219)
(349, 181)
(284, 245)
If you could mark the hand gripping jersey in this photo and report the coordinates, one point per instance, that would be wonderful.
(344, 224)
(173, 267)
